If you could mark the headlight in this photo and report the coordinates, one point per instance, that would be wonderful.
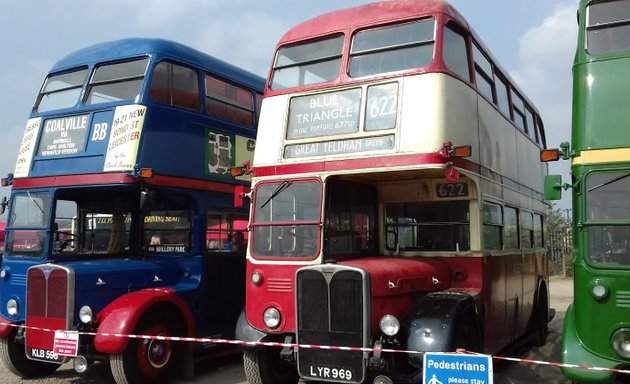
(389, 325)
(272, 317)
(621, 343)
(256, 278)
(13, 309)
(85, 314)
(599, 289)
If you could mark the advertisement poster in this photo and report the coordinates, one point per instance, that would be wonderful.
(25, 154)
(63, 136)
(124, 139)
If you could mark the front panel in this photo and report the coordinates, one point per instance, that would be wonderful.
(49, 307)
(332, 310)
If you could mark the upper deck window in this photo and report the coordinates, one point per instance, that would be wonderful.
(175, 85)
(229, 102)
(61, 91)
(455, 53)
(483, 74)
(608, 27)
(118, 81)
(519, 111)
(392, 48)
(308, 63)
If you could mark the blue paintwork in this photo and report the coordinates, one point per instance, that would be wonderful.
(163, 147)
(173, 143)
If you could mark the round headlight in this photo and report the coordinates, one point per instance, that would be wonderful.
(256, 278)
(621, 343)
(599, 289)
(389, 325)
(4, 273)
(271, 317)
(85, 314)
(13, 309)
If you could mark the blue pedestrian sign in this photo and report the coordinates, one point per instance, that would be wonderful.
(457, 368)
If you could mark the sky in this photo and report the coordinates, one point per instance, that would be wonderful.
(534, 41)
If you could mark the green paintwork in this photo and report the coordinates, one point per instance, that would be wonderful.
(601, 120)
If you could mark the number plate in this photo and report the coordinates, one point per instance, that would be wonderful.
(45, 355)
(328, 373)
(451, 189)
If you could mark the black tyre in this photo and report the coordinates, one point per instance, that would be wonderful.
(149, 360)
(14, 358)
(467, 336)
(266, 367)
(540, 320)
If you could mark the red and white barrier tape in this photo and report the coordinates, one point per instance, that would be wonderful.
(309, 346)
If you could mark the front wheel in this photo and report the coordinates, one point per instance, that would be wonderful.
(541, 321)
(14, 358)
(148, 360)
(266, 367)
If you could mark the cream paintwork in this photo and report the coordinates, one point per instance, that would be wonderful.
(602, 156)
(428, 102)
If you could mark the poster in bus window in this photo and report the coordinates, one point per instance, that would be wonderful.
(382, 107)
(324, 114)
(226, 150)
(124, 138)
(220, 154)
(64, 136)
(27, 148)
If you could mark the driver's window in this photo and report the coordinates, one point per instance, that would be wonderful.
(65, 228)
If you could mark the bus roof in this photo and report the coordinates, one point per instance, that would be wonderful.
(383, 12)
(370, 14)
(130, 47)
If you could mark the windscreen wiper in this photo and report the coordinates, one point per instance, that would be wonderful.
(281, 187)
(609, 182)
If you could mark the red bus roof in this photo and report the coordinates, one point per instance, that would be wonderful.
(370, 14)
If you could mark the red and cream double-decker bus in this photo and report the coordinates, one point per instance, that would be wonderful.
(397, 199)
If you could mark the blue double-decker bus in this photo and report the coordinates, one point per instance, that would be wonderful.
(121, 217)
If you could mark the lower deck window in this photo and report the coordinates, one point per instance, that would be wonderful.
(428, 226)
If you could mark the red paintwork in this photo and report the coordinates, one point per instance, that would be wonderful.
(120, 178)
(122, 315)
(406, 274)
(277, 289)
(363, 163)
(366, 16)
(41, 338)
(101, 178)
(497, 280)
(2, 234)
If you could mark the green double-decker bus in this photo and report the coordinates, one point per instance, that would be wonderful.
(596, 329)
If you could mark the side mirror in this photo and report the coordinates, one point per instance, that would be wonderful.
(553, 187)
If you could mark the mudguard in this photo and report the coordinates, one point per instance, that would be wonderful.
(432, 319)
(122, 315)
(246, 332)
(574, 352)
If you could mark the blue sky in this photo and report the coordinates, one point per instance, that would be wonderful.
(534, 40)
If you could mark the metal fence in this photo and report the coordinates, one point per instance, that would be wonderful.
(560, 251)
